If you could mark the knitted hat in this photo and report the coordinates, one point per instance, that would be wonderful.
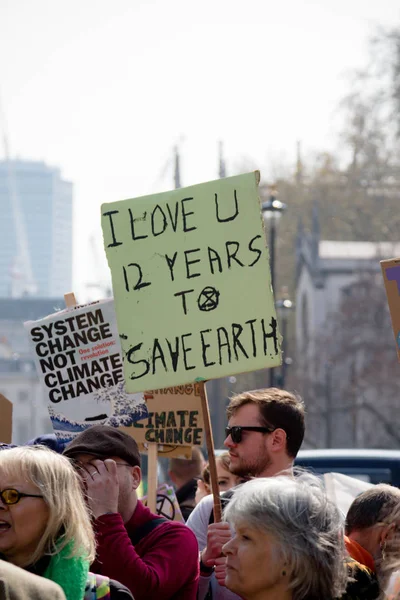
(49, 440)
(4, 446)
(103, 442)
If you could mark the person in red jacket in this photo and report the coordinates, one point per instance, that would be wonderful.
(155, 558)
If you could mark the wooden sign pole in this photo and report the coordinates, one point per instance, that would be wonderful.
(70, 300)
(211, 455)
(152, 477)
(6, 411)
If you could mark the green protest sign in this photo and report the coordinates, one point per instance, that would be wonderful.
(191, 283)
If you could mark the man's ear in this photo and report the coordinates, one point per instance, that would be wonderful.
(136, 473)
(278, 440)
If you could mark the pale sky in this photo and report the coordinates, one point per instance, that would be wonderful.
(103, 89)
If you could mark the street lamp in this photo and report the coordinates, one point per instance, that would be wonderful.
(272, 210)
(283, 309)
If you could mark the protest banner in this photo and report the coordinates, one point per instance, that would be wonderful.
(391, 278)
(167, 504)
(163, 450)
(192, 288)
(172, 427)
(174, 424)
(78, 360)
(191, 283)
(6, 411)
(175, 418)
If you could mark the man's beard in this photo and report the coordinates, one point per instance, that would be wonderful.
(250, 469)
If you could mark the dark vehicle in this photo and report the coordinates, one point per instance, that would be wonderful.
(373, 466)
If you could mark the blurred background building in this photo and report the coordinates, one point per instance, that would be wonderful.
(35, 230)
(18, 379)
(325, 273)
(345, 360)
(35, 272)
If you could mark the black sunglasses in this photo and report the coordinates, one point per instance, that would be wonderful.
(11, 496)
(236, 431)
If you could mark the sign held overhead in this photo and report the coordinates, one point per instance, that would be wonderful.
(78, 360)
(191, 283)
(175, 418)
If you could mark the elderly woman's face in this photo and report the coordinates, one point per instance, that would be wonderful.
(22, 524)
(254, 565)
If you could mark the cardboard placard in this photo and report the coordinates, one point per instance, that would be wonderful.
(167, 504)
(6, 411)
(164, 450)
(391, 277)
(78, 360)
(175, 418)
(191, 280)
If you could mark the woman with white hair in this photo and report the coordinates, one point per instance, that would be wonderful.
(45, 526)
(288, 542)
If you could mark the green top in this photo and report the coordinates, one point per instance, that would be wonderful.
(70, 573)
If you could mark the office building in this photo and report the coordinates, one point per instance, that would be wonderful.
(35, 230)
(18, 379)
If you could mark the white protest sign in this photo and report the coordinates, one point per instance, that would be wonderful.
(167, 504)
(342, 489)
(78, 359)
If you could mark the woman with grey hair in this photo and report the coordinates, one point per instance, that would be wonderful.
(288, 542)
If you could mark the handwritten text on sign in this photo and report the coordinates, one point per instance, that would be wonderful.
(175, 418)
(191, 283)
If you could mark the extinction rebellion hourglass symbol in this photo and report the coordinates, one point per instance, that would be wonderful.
(208, 299)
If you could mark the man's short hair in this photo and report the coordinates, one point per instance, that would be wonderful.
(376, 505)
(188, 468)
(279, 409)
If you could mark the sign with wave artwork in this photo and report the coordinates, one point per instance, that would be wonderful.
(78, 360)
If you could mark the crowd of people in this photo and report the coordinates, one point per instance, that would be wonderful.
(72, 526)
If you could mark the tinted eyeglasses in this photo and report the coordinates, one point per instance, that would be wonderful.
(11, 496)
(236, 431)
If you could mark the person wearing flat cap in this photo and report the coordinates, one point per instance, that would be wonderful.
(154, 557)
